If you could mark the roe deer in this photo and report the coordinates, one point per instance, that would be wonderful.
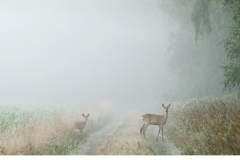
(81, 125)
(154, 119)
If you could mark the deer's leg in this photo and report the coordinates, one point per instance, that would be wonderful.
(141, 129)
(146, 125)
(158, 132)
(162, 134)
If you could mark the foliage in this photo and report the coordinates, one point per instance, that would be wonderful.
(12, 115)
(232, 47)
(200, 18)
(198, 68)
(207, 126)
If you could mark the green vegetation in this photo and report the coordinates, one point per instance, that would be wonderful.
(204, 47)
(73, 140)
(39, 130)
(207, 126)
(204, 58)
(18, 114)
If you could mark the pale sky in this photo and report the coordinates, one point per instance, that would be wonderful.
(66, 52)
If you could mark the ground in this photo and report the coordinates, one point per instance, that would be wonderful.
(121, 136)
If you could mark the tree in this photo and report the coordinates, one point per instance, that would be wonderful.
(232, 47)
(207, 21)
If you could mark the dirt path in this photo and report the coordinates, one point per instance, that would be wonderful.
(98, 138)
(160, 147)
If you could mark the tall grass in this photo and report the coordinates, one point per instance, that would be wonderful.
(207, 126)
(49, 133)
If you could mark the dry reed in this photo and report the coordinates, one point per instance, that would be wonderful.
(208, 126)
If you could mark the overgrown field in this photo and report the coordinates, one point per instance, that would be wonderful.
(47, 130)
(207, 126)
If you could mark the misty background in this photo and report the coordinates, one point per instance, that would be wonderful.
(65, 52)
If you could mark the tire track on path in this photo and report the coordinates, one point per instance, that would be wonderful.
(98, 138)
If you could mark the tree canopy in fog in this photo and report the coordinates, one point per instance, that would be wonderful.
(205, 41)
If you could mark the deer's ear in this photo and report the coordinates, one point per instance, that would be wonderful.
(83, 114)
(88, 114)
(169, 105)
(163, 105)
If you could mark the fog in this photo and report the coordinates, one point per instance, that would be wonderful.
(69, 52)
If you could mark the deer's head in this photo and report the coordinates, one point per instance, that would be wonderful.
(86, 117)
(165, 107)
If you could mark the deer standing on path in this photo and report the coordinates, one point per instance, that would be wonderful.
(81, 125)
(154, 119)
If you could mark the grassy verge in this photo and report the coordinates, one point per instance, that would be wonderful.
(74, 139)
(127, 140)
(54, 134)
(208, 126)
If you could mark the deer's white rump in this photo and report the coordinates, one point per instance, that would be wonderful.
(154, 119)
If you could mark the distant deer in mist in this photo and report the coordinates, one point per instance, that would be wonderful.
(154, 119)
(81, 125)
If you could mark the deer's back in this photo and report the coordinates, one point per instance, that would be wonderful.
(153, 119)
(80, 125)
